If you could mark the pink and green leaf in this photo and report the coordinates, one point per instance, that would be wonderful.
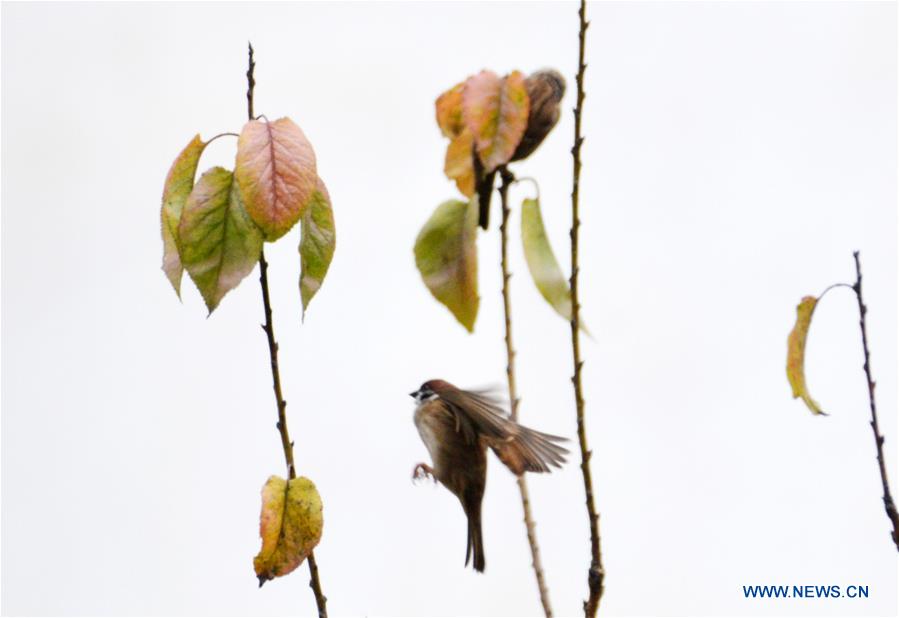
(290, 525)
(796, 353)
(276, 173)
(220, 244)
(496, 112)
(178, 184)
(317, 243)
(446, 256)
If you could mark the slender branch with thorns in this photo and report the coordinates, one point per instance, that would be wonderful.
(596, 573)
(888, 503)
(508, 179)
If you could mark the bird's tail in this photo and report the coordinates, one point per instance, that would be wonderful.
(475, 540)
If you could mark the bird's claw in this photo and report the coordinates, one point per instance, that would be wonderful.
(423, 471)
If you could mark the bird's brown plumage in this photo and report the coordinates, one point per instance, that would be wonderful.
(460, 464)
(457, 427)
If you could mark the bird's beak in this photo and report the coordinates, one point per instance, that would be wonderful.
(414, 395)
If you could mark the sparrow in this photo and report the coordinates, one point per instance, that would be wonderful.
(545, 90)
(457, 427)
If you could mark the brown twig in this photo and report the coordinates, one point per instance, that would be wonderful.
(596, 574)
(251, 81)
(888, 503)
(269, 328)
(507, 180)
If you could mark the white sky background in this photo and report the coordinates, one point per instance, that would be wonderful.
(736, 155)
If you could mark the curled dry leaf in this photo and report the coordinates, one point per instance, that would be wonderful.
(178, 184)
(796, 353)
(496, 112)
(276, 173)
(220, 245)
(545, 91)
(317, 243)
(290, 525)
(447, 258)
(541, 260)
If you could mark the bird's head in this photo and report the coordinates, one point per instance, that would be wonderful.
(430, 390)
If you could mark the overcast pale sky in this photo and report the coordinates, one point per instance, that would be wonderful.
(736, 155)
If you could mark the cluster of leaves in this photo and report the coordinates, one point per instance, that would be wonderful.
(490, 122)
(290, 526)
(215, 227)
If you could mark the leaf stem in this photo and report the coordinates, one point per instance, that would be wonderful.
(529, 524)
(227, 134)
(531, 180)
(269, 328)
(596, 573)
(888, 503)
(835, 285)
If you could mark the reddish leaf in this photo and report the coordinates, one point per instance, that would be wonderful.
(276, 173)
(496, 112)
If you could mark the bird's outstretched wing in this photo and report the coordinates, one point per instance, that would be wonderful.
(522, 449)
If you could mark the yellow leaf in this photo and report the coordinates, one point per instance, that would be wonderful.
(796, 353)
(290, 526)
(178, 184)
(449, 111)
(459, 163)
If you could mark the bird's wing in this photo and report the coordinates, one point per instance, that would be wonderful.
(522, 449)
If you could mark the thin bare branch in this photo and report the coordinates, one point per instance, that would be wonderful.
(596, 573)
(888, 503)
(507, 180)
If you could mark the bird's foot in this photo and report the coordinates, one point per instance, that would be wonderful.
(423, 471)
